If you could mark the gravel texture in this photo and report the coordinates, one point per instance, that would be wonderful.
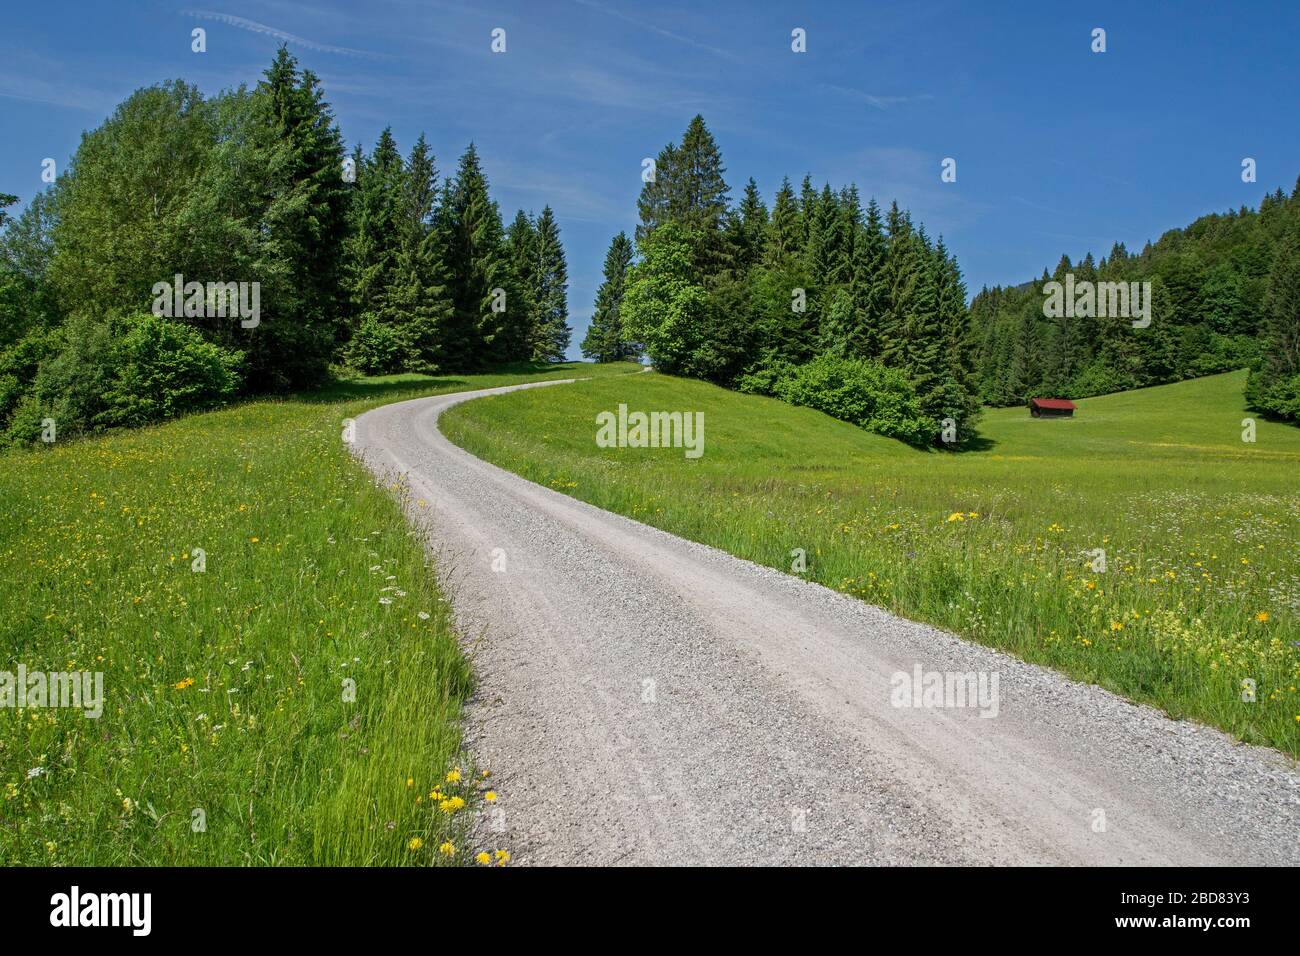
(644, 699)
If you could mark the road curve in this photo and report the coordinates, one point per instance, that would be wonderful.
(644, 699)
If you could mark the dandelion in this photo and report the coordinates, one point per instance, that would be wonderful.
(182, 684)
(453, 776)
(447, 849)
(1116, 626)
(956, 516)
(490, 796)
(410, 782)
(1261, 617)
(415, 843)
(502, 857)
(483, 859)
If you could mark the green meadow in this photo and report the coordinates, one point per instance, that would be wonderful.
(289, 696)
(1143, 545)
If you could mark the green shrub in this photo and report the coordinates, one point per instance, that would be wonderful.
(1279, 396)
(864, 393)
(165, 369)
(376, 348)
(132, 371)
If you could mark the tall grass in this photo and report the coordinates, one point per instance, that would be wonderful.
(1201, 588)
(228, 734)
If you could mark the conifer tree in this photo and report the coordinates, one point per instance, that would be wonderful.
(689, 189)
(784, 234)
(522, 250)
(489, 321)
(606, 340)
(552, 335)
(868, 285)
(420, 297)
(746, 230)
(903, 277)
(1274, 385)
(303, 220)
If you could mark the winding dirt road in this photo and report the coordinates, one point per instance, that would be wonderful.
(647, 700)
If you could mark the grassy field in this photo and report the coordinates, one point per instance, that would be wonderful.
(1201, 587)
(226, 736)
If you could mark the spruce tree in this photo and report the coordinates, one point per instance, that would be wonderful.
(521, 249)
(746, 230)
(868, 285)
(903, 267)
(689, 190)
(605, 340)
(420, 300)
(784, 234)
(304, 220)
(553, 334)
(489, 322)
(1274, 384)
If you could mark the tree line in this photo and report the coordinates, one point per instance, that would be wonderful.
(816, 300)
(366, 262)
(1225, 295)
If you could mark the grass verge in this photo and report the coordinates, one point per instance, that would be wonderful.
(1195, 612)
(229, 574)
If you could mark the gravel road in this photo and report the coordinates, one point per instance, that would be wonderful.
(647, 700)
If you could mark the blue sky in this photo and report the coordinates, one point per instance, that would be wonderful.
(1058, 149)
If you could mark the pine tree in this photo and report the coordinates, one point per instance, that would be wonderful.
(960, 398)
(746, 231)
(784, 234)
(304, 220)
(375, 236)
(689, 189)
(489, 322)
(420, 297)
(552, 332)
(808, 202)
(903, 267)
(522, 250)
(1274, 385)
(868, 285)
(605, 340)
